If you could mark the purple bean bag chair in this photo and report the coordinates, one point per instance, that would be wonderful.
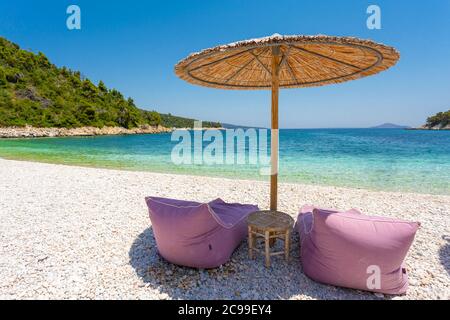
(352, 250)
(198, 235)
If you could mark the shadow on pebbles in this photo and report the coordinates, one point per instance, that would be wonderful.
(240, 278)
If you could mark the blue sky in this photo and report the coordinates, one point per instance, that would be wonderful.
(133, 46)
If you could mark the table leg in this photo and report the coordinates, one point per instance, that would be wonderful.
(272, 242)
(287, 241)
(250, 243)
(267, 247)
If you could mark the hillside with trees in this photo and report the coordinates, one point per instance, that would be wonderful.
(35, 92)
(439, 121)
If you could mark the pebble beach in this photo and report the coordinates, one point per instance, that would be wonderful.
(70, 232)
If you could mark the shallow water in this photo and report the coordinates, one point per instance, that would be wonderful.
(380, 159)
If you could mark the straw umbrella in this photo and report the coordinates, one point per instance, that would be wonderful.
(285, 62)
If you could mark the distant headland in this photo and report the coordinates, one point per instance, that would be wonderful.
(440, 121)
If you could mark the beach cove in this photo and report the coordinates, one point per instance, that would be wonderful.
(375, 159)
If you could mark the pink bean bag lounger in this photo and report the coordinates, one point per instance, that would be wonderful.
(198, 235)
(349, 249)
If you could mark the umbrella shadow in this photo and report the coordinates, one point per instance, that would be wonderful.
(240, 278)
(444, 254)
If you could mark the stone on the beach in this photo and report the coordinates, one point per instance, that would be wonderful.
(92, 223)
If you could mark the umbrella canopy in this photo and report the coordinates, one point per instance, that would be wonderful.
(285, 62)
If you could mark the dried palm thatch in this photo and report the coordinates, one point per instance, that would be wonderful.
(306, 61)
(285, 62)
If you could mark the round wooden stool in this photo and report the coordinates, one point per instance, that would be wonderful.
(270, 225)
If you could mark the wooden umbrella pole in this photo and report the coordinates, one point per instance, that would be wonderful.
(276, 57)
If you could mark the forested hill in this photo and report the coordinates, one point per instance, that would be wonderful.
(439, 120)
(35, 92)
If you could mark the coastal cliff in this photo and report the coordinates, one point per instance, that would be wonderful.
(437, 127)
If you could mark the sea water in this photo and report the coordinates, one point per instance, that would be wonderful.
(378, 159)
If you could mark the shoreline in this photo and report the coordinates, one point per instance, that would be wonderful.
(212, 176)
(83, 232)
(427, 129)
(35, 132)
(30, 132)
(436, 128)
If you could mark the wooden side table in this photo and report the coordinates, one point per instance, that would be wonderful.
(270, 225)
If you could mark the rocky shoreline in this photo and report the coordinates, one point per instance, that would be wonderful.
(33, 132)
(436, 128)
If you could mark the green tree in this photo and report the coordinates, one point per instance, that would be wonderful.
(130, 102)
(440, 119)
(34, 91)
(153, 118)
(88, 89)
(86, 115)
(102, 87)
(124, 117)
(3, 81)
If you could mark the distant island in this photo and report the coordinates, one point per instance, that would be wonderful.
(38, 98)
(389, 126)
(439, 121)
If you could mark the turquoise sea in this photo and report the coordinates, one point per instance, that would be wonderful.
(380, 159)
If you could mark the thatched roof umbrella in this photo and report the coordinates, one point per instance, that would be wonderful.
(285, 62)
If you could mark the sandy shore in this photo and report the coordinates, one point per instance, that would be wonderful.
(71, 232)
